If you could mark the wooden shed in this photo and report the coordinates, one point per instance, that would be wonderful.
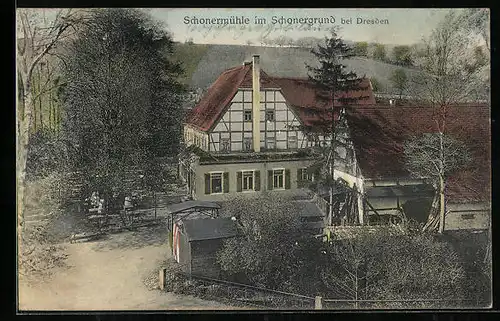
(196, 242)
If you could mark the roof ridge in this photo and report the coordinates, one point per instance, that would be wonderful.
(232, 69)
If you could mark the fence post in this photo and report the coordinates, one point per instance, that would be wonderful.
(161, 279)
(318, 303)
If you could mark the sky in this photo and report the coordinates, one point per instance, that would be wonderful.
(396, 26)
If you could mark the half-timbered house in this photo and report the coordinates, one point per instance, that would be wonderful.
(246, 133)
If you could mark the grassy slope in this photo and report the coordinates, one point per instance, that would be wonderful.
(284, 62)
(190, 56)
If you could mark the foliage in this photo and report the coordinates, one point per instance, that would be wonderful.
(377, 266)
(38, 38)
(274, 252)
(361, 49)
(376, 84)
(402, 55)
(448, 76)
(399, 80)
(122, 100)
(379, 52)
(46, 153)
(39, 252)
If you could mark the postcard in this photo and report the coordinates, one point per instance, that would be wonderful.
(253, 159)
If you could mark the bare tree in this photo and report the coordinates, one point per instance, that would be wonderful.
(448, 79)
(436, 156)
(37, 38)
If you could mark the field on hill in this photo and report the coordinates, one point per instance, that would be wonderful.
(204, 63)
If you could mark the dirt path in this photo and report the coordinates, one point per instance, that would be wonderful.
(108, 275)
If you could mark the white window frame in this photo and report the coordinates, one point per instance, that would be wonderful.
(221, 182)
(245, 113)
(284, 178)
(305, 175)
(243, 171)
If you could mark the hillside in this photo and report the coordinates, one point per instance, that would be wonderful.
(204, 63)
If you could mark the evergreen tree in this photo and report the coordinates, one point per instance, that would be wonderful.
(330, 78)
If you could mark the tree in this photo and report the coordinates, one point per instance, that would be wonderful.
(436, 156)
(399, 81)
(376, 85)
(329, 79)
(37, 38)
(122, 101)
(383, 265)
(402, 55)
(476, 21)
(361, 49)
(273, 250)
(447, 80)
(379, 52)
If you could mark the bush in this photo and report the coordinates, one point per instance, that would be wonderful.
(379, 266)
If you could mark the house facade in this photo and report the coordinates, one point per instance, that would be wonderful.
(246, 134)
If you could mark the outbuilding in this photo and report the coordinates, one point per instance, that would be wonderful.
(196, 242)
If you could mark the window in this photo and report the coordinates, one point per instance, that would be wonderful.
(247, 181)
(270, 115)
(270, 143)
(247, 116)
(278, 178)
(225, 145)
(292, 140)
(215, 183)
(303, 173)
(247, 144)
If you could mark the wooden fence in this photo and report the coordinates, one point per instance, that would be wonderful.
(250, 295)
(264, 298)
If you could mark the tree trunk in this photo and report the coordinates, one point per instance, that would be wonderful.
(442, 210)
(23, 127)
(330, 208)
(154, 198)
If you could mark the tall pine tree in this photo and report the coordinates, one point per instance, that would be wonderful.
(331, 81)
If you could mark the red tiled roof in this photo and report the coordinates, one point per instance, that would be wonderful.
(301, 95)
(378, 134)
(298, 92)
(210, 107)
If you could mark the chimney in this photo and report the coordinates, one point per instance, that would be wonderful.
(256, 102)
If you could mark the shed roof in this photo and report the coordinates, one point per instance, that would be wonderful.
(423, 190)
(209, 229)
(180, 207)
